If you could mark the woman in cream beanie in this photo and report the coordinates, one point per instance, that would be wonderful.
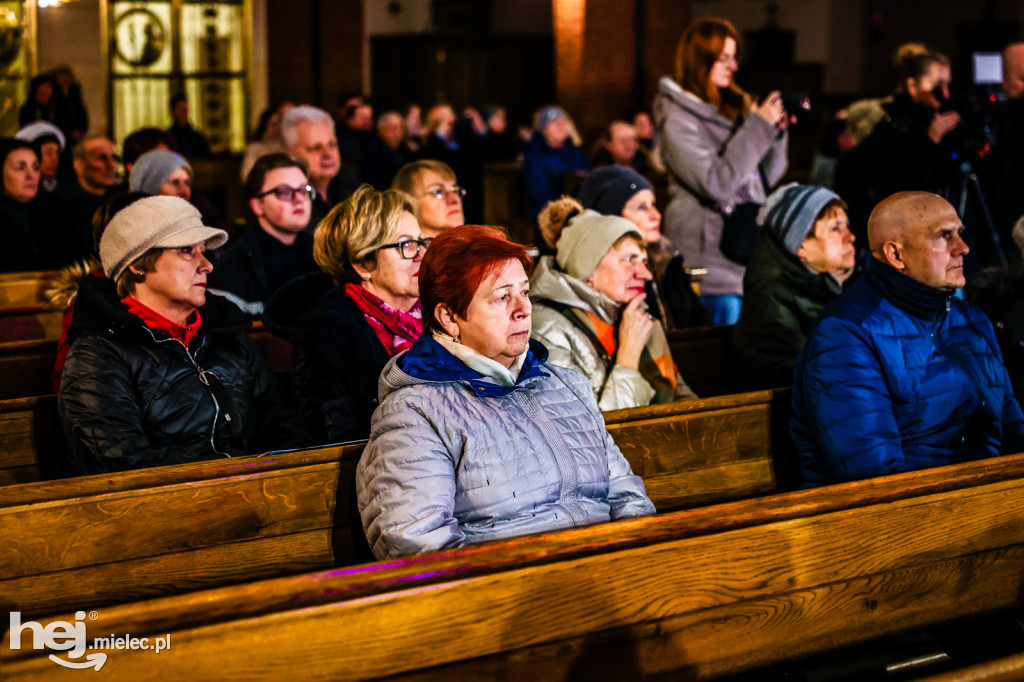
(589, 310)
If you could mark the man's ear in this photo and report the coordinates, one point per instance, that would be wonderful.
(893, 253)
(256, 206)
(447, 321)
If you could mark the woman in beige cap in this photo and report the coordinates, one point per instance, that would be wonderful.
(159, 372)
(589, 308)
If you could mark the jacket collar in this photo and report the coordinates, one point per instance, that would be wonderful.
(429, 361)
(906, 293)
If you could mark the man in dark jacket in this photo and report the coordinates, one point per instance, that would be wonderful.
(275, 248)
(158, 372)
(899, 374)
(800, 260)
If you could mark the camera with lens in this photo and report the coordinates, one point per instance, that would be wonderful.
(980, 107)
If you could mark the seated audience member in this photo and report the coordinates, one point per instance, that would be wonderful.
(413, 119)
(619, 144)
(347, 322)
(496, 144)
(95, 164)
(160, 172)
(190, 142)
(617, 190)
(31, 225)
(801, 259)
(552, 153)
(275, 248)
(355, 136)
(266, 139)
(899, 374)
(309, 137)
(387, 153)
(145, 140)
(48, 141)
(64, 289)
(439, 198)
(590, 310)
(159, 372)
(477, 436)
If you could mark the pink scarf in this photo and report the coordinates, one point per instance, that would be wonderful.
(395, 329)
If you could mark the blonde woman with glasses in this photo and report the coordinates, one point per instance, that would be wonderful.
(347, 321)
(437, 193)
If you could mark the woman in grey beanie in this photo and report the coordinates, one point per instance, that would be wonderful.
(589, 308)
(162, 172)
(802, 256)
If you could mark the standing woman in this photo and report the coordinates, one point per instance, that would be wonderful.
(349, 320)
(721, 150)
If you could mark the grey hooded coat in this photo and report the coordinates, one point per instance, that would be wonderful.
(453, 459)
(725, 164)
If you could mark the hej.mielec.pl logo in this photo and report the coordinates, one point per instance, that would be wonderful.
(71, 637)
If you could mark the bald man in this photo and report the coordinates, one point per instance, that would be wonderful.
(1013, 70)
(898, 374)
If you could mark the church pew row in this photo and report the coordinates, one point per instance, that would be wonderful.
(186, 527)
(25, 289)
(696, 594)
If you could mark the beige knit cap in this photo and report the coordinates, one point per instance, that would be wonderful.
(153, 223)
(587, 238)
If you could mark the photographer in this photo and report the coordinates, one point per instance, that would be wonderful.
(1003, 170)
(723, 152)
(906, 150)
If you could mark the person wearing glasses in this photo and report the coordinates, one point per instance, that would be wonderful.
(346, 322)
(437, 193)
(478, 437)
(275, 247)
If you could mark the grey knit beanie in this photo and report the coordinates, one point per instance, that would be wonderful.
(607, 189)
(587, 238)
(153, 223)
(790, 212)
(152, 169)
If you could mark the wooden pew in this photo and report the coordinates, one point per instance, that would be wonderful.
(186, 527)
(25, 289)
(695, 594)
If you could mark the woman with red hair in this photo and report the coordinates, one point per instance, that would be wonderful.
(476, 437)
(723, 152)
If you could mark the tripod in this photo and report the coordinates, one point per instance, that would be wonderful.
(969, 181)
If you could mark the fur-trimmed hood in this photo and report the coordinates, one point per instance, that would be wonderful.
(64, 288)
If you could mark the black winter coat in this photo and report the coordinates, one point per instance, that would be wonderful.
(134, 398)
(337, 359)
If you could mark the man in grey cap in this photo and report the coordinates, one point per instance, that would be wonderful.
(159, 372)
(802, 256)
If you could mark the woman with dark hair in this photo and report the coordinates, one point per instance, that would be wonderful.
(477, 437)
(31, 225)
(349, 320)
(906, 150)
(723, 152)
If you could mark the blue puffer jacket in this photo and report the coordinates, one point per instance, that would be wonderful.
(898, 376)
(454, 459)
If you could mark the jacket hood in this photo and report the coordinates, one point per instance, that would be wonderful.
(553, 284)
(670, 94)
(98, 308)
(64, 286)
(428, 362)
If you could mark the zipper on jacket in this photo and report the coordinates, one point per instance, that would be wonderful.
(204, 380)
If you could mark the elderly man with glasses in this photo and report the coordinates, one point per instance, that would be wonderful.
(275, 248)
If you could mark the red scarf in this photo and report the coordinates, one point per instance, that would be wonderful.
(395, 329)
(158, 323)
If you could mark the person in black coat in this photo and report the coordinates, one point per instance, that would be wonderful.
(348, 321)
(159, 372)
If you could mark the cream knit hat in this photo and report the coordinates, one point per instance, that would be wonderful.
(153, 223)
(587, 238)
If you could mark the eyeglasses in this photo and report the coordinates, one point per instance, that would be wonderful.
(443, 192)
(287, 194)
(405, 247)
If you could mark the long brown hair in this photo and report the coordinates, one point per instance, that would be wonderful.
(696, 53)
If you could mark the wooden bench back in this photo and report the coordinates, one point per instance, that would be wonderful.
(185, 527)
(699, 593)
